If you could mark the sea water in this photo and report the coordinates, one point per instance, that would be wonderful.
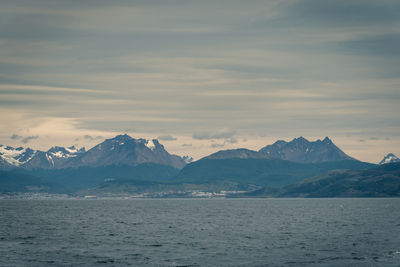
(200, 232)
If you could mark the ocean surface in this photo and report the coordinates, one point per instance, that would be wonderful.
(200, 232)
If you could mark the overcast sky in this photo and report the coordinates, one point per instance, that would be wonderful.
(201, 75)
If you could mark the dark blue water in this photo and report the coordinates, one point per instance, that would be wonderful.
(200, 232)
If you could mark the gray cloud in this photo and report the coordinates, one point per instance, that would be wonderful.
(273, 67)
(186, 145)
(231, 141)
(91, 138)
(166, 138)
(226, 141)
(24, 140)
(15, 137)
(217, 145)
(343, 13)
(224, 133)
(27, 139)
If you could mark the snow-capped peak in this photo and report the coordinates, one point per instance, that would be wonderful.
(16, 156)
(389, 158)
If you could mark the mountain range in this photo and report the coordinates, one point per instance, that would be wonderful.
(120, 150)
(298, 150)
(279, 164)
(125, 164)
(378, 181)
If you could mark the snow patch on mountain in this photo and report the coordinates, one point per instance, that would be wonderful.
(65, 152)
(59, 154)
(71, 149)
(150, 144)
(15, 156)
(50, 159)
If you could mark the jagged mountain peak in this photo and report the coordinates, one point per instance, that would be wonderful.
(280, 143)
(300, 139)
(302, 150)
(56, 149)
(65, 152)
(298, 149)
(16, 156)
(389, 158)
(120, 137)
(327, 140)
(124, 139)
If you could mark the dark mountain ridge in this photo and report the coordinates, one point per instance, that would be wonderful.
(259, 171)
(381, 181)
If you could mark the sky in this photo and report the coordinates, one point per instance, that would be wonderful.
(201, 76)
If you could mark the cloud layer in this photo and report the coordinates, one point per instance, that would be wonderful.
(197, 70)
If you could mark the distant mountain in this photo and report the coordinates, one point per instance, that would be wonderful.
(55, 158)
(278, 165)
(382, 181)
(259, 177)
(70, 180)
(27, 158)
(16, 156)
(389, 158)
(70, 169)
(125, 150)
(298, 150)
(302, 150)
(240, 153)
(258, 171)
(120, 150)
